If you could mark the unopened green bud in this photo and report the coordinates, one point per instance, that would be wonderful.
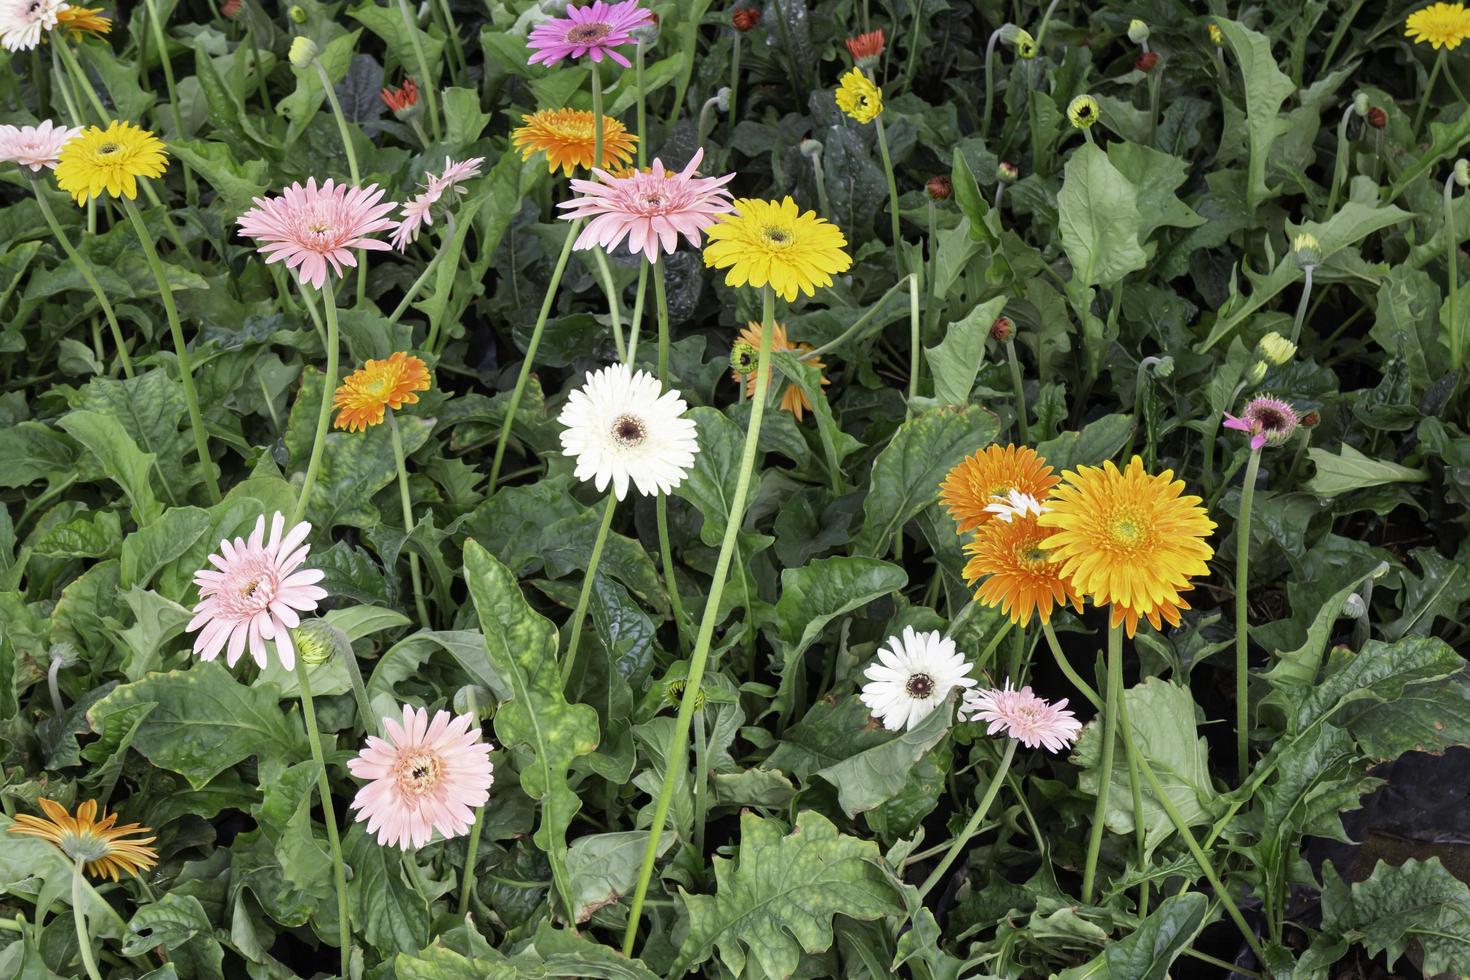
(1137, 31)
(1361, 105)
(317, 642)
(1020, 39)
(744, 357)
(1462, 172)
(1275, 349)
(1257, 372)
(303, 51)
(297, 13)
(1306, 250)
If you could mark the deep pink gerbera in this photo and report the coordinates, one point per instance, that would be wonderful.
(312, 227)
(419, 211)
(594, 30)
(35, 146)
(1023, 716)
(254, 592)
(425, 776)
(1270, 421)
(649, 209)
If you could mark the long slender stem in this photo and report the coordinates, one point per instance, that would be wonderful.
(346, 135)
(1301, 306)
(1428, 91)
(1452, 271)
(79, 917)
(579, 615)
(974, 822)
(413, 290)
(329, 813)
(597, 130)
(430, 83)
(467, 884)
(734, 88)
(701, 776)
(1022, 425)
(155, 25)
(403, 499)
(636, 323)
(661, 503)
(181, 350)
(675, 753)
(989, 82)
(1105, 770)
(530, 360)
(916, 40)
(359, 691)
(1242, 584)
(643, 101)
(324, 413)
(1340, 164)
(85, 268)
(916, 363)
(614, 306)
(1061, 658)
(857, 325)
(892, 194)
(1130, 751)
(455, 45)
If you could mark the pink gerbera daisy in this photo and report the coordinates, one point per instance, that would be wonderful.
(425, 776)
(594, 30)
(1270, 421)
(255, 594)
(649, 209)
(418, 211)
(310, 227)
(35, 146)
(1030, 720)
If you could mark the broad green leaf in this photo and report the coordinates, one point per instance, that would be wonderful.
(557, 952)
(179, 924)
(439, 962)
(1380, 672)
(869, 779)
(1404, 322)
(386, 910)
(1156, 175)
(821, 590)
(1099, 219)
(1417, 904)
(30, 451)
(1147, 952)
(120, 458)
(1266, 88)
(955, 361)
(1099, 439)
(1339, 473)
(602, 868)
(149, 549)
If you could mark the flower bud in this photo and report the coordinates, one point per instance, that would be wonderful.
(1256, 373)
(939, 188)
(1353, 607)
(230, 9)
(1146, 62)
(1311, 420)
(1275, 349)
(744, 357)
(674, 694)
(1137, 31)
(1217, 37)
(297, 13)
(1462, 172)
(303, 51)
(1002, 329)
(1083, 111)
(317, 641)
(1020, 39)
(1006, 173)
(1306, 250)
(1164, 367)
(745, 19)
(1377, 118)
(646, 33)
(812, 150)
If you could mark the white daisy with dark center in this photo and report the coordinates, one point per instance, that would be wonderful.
(913, 675)
(621, 428)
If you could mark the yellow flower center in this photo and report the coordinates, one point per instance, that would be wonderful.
(1032, 558)
(1127, 530)
(418, 773)
(588, 33)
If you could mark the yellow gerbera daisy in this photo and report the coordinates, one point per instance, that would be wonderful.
(1083, 111)
(1442, 25)
(773, 243)
(1128, 539)
(1015, 572)
(793, 399)
(109, 159)
(992, 472)
(103, 849)
(859, 97)
(77, 21)
(568, 137)
(363, 395)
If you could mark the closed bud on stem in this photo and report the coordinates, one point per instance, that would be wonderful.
(745, 19)
(317, 641)
(939, 188)
(1020, 39)
(1002, 329)
(1256, 373)
(1462, 172)
(1137, 31)
(1275, 349)
(303, 51)
(1361, 105)
(1377, 118)
(297, 13)
(1311, 420)
(1306, 250)
(1006, 173)
(1146, 62)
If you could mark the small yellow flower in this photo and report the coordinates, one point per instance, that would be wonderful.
(103, 849)
(364, 395)
(1083, 111)
(1442, 25)
(859, 97)
(109, 159)
(567, 138)
(77, 21)
(1217, 37)
(773, 243)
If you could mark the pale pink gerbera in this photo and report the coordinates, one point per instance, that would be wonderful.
(255, 594)
(1270, 421)
(594, 30)
(310, 227)
(1023, 716)
(649, 209)
(425, 776)
(35, 146)
(419, 211)
(22, 22)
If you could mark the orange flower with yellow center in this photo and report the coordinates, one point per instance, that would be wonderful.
(1128, 539)
(793, 399)
(77, 21)
(989, 473)
(103, 849)
(568, 138)
(364, 395)
(1015, 572)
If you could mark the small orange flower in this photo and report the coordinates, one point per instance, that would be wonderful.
(1017, 573)
(400, 99)
(993, 472)
(793, 399)
(364, 395)
(77, 21)
(866, 48)
(104, 850)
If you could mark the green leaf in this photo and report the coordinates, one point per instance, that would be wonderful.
(1156, 176)
(1099, 220)
(1100, 439)
(439, 962)
(179, 924)
(779, 894)
(1339, 473)
(868, 779)
(388, 23)
(1418, 903)
(149, 549)
(602, 868)
(955, 360)
(563, 953)
(121, 459)
(1381, 672)
(1147, 952)
(386, 910)
(30, 451)
(712, 480)
(821, 590)
(1266, 88)
(1404, 322)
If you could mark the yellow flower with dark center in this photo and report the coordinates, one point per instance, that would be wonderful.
(859, 97)
(568, 138)
(1128, 539)
(77, 21)
(793, 399)
(104, 850)
(110, 159)
(365, 394)
(1441, 25)
(1083, 111)
(1015, 572)
(990, 473)
(774, 243)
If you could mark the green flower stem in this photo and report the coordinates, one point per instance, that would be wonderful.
(597, 115)
(892, 193)
(255, 62)
(403, 499)
(636, 323)
(1105, 770)
(1045, 20)
(85, 268)
(734, 92)
(79, 916)
(324, 413)
(1139, 841)
(1061, 658)
(642, 101)
(1242, 569)
(1428, 91)
(857, 325)
(467, 883)
(1301, 306)
(819, 176)
(413, 290)
(68, 95)
(430, 86)
(614, 305)
(675, 754)
(155, 26)
(456, 47)
(989, 81)
(434, 339)
(1452, 270)
(329, 813)
(1022, 425)
(346, 134)
(975, 820)
(701, 775)
(579, 615)
(370, 724)
(530, 360)
(916, 363)
(1340, 164)
(181, 350)
(916, 41)
(661, 502)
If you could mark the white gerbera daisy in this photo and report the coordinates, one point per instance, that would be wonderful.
(1013, 505)
(22, 21)
(619, 426)
(913, 676)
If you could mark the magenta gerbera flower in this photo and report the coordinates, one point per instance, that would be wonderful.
(419, 211)
(312, 227)
(35, 146)
(648, 209)
(1023, 716)
(425, 776)
(1270, 421)
(254, 592)
(595, 30)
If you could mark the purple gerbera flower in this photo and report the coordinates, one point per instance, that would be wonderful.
(594, 30)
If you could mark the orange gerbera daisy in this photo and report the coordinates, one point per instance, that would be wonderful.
(989, 473)
(103, 849)
(365, 394)
(1128, 539)
(568, 137)
(77, 21)
(1015, 572)
(793, 399)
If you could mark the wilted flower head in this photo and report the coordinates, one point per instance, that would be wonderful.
(1377, 118)
(1146, 62)
(36, 147)
(419, 211)
(1013, 505)
(1270, 421)
(1023, 716)
(76, 21)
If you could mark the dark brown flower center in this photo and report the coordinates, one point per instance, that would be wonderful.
(776, 236)
(1271, 419)
(920, 686)
(588, 33)
(628, 431)
(107, 149)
